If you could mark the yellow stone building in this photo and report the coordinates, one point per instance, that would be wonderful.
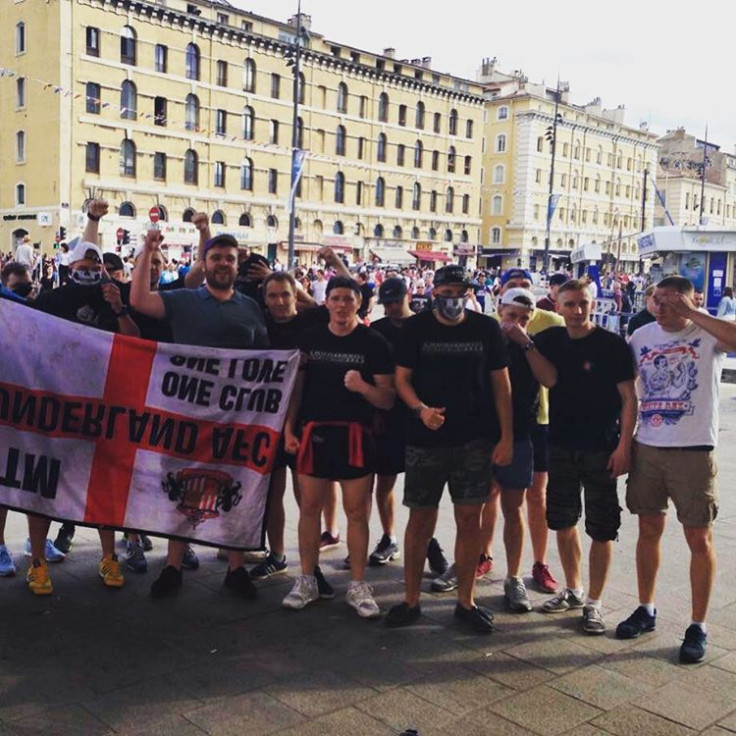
(187, 106)
(598, 178)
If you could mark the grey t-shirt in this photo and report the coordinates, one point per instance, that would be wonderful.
(197, 318)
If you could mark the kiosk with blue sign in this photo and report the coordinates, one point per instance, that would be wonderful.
(704, 256)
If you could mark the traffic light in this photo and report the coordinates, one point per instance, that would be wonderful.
(126, 237)
(549, 133)
(62, 233)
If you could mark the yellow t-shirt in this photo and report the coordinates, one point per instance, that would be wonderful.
(540, 321)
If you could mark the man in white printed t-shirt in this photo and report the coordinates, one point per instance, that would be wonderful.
(678, 360)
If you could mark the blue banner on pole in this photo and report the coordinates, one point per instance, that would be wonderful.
(552, 206)
(298, 157)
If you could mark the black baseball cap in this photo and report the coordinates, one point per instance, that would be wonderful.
(452, 274)
(112, 261)
(392, 290)
(557, 279)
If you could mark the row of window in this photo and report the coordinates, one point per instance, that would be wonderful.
(193, 68)
(575, 182)
(612, 160)
(128, 168)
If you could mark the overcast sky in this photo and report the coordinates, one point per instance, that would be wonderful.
(669, 65)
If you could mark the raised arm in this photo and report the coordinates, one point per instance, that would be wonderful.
(96, 210)
(195, 278)
(142, 299)
(332, 259)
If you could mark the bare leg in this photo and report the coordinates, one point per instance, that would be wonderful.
(3, 518)
(330, 508)
(536, 508)
(513, 529)
(702, 568)
(313, 493)
(599, 562)
(176, 553)
(355, 499)
(467, 543)
(651, 527)
(419, 531)
(571, 553)
(385, 502)
(488, 522)
(38, 530)
(276, 515)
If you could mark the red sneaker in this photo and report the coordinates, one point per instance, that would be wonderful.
(543, 578)
(327, 541)
(485, 565)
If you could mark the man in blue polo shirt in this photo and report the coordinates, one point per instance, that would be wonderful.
(216, 316)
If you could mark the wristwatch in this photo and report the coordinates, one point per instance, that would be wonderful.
(529, 346)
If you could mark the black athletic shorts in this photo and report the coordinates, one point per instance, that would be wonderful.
(330, 454)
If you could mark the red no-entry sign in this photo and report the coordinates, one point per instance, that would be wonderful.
(120, 232)
(155, 214)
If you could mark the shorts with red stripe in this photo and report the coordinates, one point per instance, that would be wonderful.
(339, 451)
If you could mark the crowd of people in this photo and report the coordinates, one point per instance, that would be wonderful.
(532, 410)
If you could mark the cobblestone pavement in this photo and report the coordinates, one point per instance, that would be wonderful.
(92, 661)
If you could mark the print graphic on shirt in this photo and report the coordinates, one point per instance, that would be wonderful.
(87, 315)
(452, 348)
(324, 356)
(668, 374)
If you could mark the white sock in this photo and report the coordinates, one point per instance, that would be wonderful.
(649, 608)
(592, 603)
(579, 592)
(701, 624)
(392, 538)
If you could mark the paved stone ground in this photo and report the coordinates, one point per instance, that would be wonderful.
(92, 661)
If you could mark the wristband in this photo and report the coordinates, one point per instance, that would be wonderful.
(529, 346)
(94, 218)
(124, 312)
(417, 410)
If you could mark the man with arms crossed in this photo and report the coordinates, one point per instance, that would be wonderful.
(592, 417)
(679, 362)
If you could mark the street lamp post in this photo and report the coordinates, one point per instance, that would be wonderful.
(295, 136)
(551, 135)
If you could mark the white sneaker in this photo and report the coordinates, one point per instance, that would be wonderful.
(360, 597)
(303, 593)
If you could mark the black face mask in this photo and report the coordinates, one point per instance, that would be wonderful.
(22, 290)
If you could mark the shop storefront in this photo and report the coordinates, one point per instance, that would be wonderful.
(428, 257)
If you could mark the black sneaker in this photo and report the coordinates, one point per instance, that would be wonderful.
(63, 541)
(146, 543)
(385, 551)
(438, 563)
(403, 615)
(239, 582)
(190, 561)
(167, 584)
(269, 567)
(693, 646)
(479, 619)
(640, 622)
(326, 591)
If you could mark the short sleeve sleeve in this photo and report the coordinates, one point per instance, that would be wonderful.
(624, 365)
(407, 349)
(498, 354)
(381, 358)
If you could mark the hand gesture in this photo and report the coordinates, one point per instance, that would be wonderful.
(515, 332)
(329, 255)
(111, 294)
(258, 271)
(679, 303)
(153, 241)
(503, 453)
(201, 221)
(354, 382)
(291, 442)
(432, 417)
(98, 207)
(619, 461)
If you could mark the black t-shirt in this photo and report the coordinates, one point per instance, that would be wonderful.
(394, 420)
(328, 359)
(366, 294)
(285, 335)
(452, 369)
(420, 303)
(84, 305)
(639, 320)
(584, 404)
(524, 392)
(150, 327)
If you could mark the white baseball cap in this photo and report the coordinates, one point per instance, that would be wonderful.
(79, 249)
(517, 297)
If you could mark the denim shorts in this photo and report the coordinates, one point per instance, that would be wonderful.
(518, 475)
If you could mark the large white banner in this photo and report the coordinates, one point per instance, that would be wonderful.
(109, 430)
